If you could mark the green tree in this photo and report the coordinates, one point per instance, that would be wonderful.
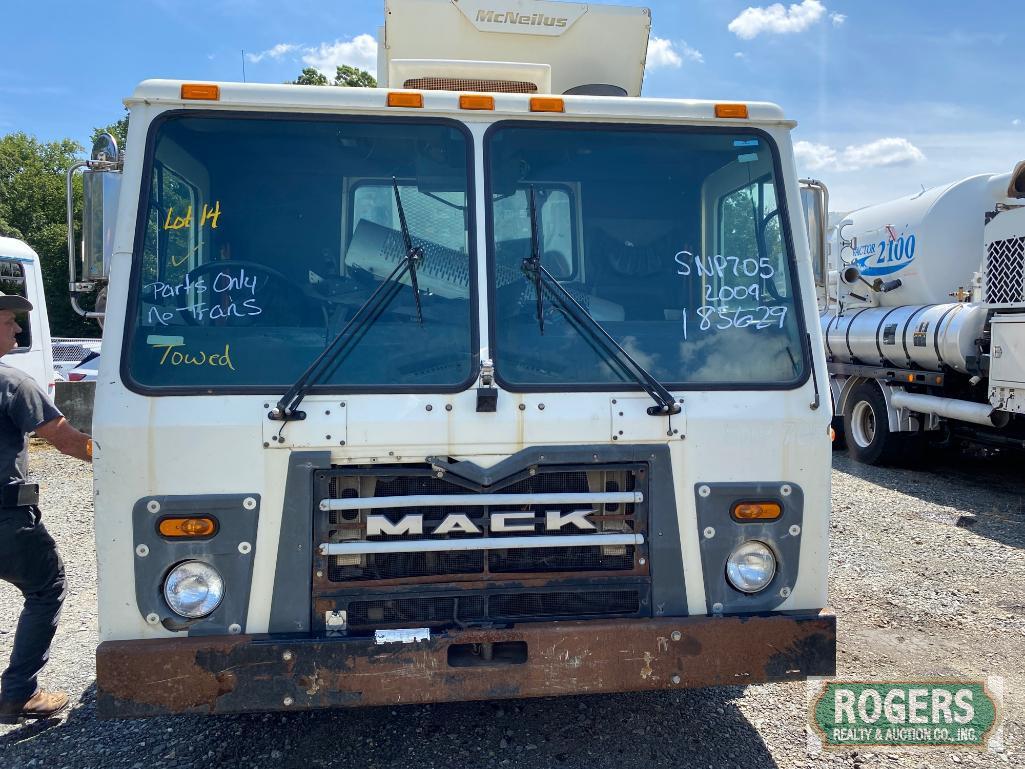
(351, 77)
(345, 76)
(311, 76)
(32, 208)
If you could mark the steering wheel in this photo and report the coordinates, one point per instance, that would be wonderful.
(248, 294)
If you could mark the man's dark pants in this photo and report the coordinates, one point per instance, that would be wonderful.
(29, 561)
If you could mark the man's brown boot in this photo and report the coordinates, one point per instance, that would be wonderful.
(39, 705)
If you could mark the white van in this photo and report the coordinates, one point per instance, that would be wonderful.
(20, 274)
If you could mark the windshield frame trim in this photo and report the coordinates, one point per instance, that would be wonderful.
(803, 341)
(135, 282)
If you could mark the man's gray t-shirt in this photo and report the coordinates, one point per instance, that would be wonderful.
(23, 407)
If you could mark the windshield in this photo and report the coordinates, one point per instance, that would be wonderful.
(263, 236)
(671, 239)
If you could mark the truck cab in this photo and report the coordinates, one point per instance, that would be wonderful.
(20, 274)
(458, 388)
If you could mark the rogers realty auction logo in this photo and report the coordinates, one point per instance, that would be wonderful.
(521, 19)
(846, 714)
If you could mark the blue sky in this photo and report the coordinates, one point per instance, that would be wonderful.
(889, 95)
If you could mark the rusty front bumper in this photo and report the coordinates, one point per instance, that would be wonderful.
(231, 674)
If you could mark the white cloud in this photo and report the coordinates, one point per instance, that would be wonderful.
(360, 52)
(665, 53)
(662, 54)
(691, 54)
(740, 55)
(1016, 122)
(837, 19)
(881, 153)
(893, 151)
(776, 19)
(814, 157)
(272, 53)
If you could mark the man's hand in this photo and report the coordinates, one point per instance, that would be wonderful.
(66, 439)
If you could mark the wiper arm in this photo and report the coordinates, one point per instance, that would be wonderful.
(286, 409)
(665, 403)
(413, 253)
(532, 264)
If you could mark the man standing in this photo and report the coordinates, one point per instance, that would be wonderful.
(28, 554)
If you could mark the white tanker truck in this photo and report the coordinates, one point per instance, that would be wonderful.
(923, 318)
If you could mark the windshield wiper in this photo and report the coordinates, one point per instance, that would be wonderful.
(413, 253)
(532, 264)
(600, 339)
(286, 409)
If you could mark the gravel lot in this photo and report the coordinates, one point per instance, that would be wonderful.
(915, 596)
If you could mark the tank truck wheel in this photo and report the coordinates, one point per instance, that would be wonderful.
(867, 428)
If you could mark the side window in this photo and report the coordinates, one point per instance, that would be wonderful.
(171, 250)
(555, 221)
(749, 232)
(12, 281)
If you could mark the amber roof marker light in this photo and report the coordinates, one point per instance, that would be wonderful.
(731, 110)
(201, 91)
(547, 104)
(405, 99)
(476, 101)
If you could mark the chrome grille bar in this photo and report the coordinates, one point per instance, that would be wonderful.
(477, 500)
(484, 543)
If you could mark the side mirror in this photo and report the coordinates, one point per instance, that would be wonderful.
(100, 191)
(815, 202)
(101, 185)
(105, 148)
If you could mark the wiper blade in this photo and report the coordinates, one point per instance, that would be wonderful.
(413, 253)
(665, 403)
(532, 264)
(286, 409)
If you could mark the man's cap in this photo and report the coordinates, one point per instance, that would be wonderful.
(14, 303)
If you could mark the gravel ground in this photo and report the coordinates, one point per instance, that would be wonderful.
(915, 596)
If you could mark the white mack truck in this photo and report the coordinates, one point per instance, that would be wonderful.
(495, 381)
(924, 319)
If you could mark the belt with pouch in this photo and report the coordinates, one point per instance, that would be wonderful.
(19, 495)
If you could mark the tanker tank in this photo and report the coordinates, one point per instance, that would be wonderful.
(928, 337)
(929, 241)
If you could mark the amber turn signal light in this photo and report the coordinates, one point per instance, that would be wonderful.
(188, 528)
(731, 110)
(205, 91)
(398, 99)
(757, 511)
(474, 101)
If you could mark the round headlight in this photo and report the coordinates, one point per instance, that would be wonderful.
(193, 589)
(751, 567)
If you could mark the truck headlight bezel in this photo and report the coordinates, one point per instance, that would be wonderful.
(193, 589)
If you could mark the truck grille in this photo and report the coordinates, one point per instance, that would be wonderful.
(497, 608)
(381, 589)
(350, 525)
(1005, 271)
